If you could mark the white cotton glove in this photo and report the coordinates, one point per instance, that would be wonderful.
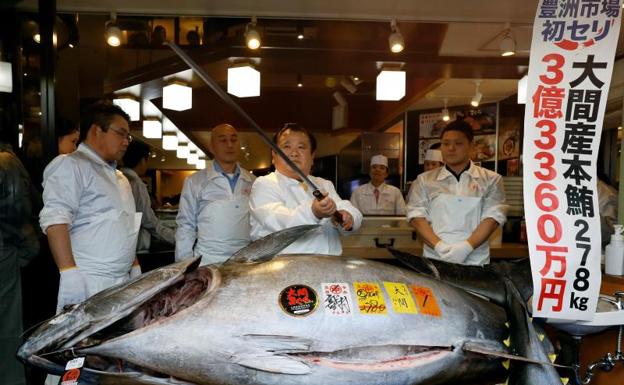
(458, 252)
(442, 248)
(72, 288)
(135, 271)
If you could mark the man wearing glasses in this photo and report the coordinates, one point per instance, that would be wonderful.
(89, 213)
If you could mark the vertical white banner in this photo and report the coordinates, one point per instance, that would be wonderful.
(571, 64)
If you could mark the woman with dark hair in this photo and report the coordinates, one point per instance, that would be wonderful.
(67, 135)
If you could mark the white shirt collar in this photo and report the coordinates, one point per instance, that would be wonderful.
(85, 149)
(212, 173)
(443, 173)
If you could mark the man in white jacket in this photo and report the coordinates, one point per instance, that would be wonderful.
(89, 214)
(376, 197)
(457, 207)
(280, 200)
(213, 218)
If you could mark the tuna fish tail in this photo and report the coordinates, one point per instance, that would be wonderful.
(528, 349)
(526, 342)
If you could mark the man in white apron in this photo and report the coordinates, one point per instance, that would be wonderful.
(213, 218)
(280, 200)
(89, 214)
(376, 197)
(457, 207)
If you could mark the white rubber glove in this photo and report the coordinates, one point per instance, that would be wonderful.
(72, 288)
(135, 271)
(458, 252)
(442, 248)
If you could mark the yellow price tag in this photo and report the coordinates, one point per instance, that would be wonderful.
(370, 298)
(400, 297)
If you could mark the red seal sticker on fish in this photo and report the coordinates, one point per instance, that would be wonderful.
(71, 377)
(426, 301)
(298, 300)
(370, 298)
(337, 299)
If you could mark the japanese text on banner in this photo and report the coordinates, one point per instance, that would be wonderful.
(570, 69)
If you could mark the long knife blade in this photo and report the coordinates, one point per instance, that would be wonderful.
(231, 103)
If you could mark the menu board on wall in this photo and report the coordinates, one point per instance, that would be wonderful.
(570, 70)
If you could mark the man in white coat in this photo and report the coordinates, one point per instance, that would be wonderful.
(89, 214)
(281, 200)
(376, 197)
(433, 159)
(213, 218)
(457, 207)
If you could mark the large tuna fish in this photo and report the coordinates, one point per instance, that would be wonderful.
(290, 319)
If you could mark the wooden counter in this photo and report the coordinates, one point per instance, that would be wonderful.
(504, 251)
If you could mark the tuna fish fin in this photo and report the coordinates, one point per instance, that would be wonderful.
(269, 353)
(278, 343)
(474, 347)
(267, 362)
(417, 263)
(475, 279)
(264, 249)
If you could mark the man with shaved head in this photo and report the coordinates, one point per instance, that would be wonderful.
(213, 218)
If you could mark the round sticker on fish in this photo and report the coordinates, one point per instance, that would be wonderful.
(298, 300)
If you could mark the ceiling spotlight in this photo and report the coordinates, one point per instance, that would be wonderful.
(113, 33)
(177, 96)
(243, 81)
(446, 116)
(508, 44)
(299, 81)
(390, 85)
(193, 158)
(152, 128)
(37, 38)
(300, 35)
(252, 37)
(170, 142)
(182, 139)
(395, 40)
(182, 152)
(130, 105)
(476, 99)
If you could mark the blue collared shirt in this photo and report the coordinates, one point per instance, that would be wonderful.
(232, 179)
